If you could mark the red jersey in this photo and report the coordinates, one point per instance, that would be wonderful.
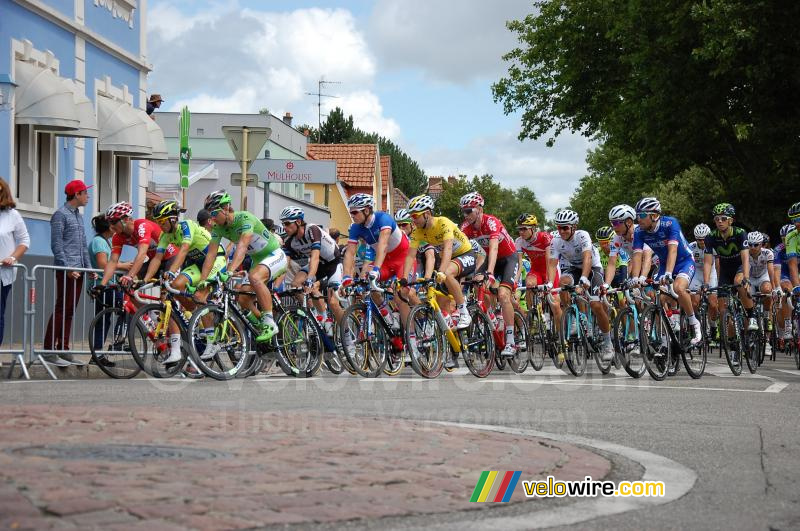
(536, 249)
(491, 229)
(144, 231)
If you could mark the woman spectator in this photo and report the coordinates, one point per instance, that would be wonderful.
(99, 252)
(14, 241)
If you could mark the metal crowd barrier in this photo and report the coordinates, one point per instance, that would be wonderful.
(15, 342)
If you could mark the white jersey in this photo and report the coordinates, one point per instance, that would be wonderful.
(570, 253)
(698, 255)
(760, 262)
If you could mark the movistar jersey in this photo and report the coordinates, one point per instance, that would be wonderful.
(727, 248)
(262, 243)
(190, 232)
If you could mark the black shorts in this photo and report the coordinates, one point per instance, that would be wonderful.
(465, 263)
(505, 270)
(595, 277)
(727, 273)
(619, 276)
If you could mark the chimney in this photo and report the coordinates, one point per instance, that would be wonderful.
(287, 119)
(306, 132)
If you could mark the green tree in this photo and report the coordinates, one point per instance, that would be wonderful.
(336, 129)
(676, 84)
(312, 131)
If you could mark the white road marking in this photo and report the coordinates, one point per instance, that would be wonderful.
(776, 387)
(793, 373)
(677, 479)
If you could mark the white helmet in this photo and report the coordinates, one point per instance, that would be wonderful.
(755, 238)
(621, 213)
(420, 203)
(117, 211)
(648, 204)
(402, 216)
(567, 217)
(786, 229)
(702, 231)
(471, 200)
(292, 213)
(359, 201)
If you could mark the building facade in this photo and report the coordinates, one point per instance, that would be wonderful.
(72, 99)
(212, 164)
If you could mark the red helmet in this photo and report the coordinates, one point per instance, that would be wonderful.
(120, 210)
(471, 200)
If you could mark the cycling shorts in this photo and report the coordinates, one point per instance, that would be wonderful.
(192, 273)
(697, 281)
(683, 269)
(541, 277)
(595, 277)
(619, 277)
(275, 261)
(505, 270)
(755, 283)
(465, 263)
(329, 274)
(727, 275)
(395, 261)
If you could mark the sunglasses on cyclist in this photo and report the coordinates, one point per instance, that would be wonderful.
(520, 229)
(642, 215)
(417, 215)
(721, 218)
(617, 223)
(287, 222)
(467, 211)
(403, 224)
(215, 213)
(564, 227)
(355, 212)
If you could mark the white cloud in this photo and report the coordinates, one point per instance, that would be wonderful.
(552, 173)
(239, 61)
(452, 41)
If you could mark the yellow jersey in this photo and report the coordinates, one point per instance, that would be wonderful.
(441, 229)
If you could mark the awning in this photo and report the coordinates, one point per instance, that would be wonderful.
(157, 143)
(43, 100)
(85, 110)
(121, 129)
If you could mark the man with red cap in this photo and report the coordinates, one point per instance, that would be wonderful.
(68, 243)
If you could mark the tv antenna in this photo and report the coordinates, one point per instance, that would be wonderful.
(319, 96)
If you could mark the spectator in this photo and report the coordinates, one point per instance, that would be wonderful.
(153, 103)
(99, 253)
(14, 241)
(268, 224)
(335, 234)
(68, 243)
(204, 219)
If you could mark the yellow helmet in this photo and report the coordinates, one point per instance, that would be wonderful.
(527, 220)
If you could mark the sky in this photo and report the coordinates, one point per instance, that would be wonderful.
(418, 72)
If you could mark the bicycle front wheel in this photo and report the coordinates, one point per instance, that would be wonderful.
(537, 348)
(477, 344)
(694, 356)
(426, 342)
(109, 345)
(299, 343)
(519, 362)
(219, 343)
(150, 348)
(626, 343)
(365, 344)
(656, 342)
(731, 338)
(577, 344)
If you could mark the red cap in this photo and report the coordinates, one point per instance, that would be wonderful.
(75, 187)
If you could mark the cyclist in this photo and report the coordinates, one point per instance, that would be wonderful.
(726, 250)
(536, 245)
(427, 258)
(604, 235)
(698, 247)
(501, 258)
(793, 247)
(581, 260)
(782, 272)
(191, 240)
(390, 246)
(663, 235)
(142, 234)
(313, 243)
(268, 261)
(762, 276)
(623, 221)
(456, 258)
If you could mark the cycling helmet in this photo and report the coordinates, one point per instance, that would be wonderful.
(166, 209)
(702, 231)
(755, 238)
(420, 203)
(217, 200)
(794, 210)
(471, 200)
(724, 209)
(527, 220)
(604, 234)
(292, 213)
(567, 217)
(766, 238)
(786, 229)
(359, 201)
(648, 204)
(402, 216)
(621, 213)
(117, 211)
(554, 234)
(280, 232)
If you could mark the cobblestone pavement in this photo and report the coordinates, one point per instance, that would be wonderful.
(65, 467)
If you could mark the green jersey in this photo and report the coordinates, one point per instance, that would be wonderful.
(622, 258)
(261, 244)
(190, 232)
(792, 243)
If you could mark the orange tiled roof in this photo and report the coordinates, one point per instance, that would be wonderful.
(386, 179)
(355, 163)
(399, 199)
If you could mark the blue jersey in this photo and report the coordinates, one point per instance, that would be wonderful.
(667, 231)
(371, 231)
(782, 260)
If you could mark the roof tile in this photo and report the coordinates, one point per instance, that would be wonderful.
(355, 163)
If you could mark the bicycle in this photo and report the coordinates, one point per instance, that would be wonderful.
(756, 340)
(625, 333)
(543, 340)
(519, 362)
(582, 334)
(427, 326)
(793, 345)
(732, 337)
(116, 361)
(367, 337)
(296, 346)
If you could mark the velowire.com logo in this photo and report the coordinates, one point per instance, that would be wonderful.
(494, 486)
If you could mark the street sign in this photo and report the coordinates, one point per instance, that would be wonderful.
(256, 138)
(297, 171)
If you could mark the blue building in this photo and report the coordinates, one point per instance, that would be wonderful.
(72, 93)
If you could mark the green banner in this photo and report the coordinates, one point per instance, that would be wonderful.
(186, 151)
